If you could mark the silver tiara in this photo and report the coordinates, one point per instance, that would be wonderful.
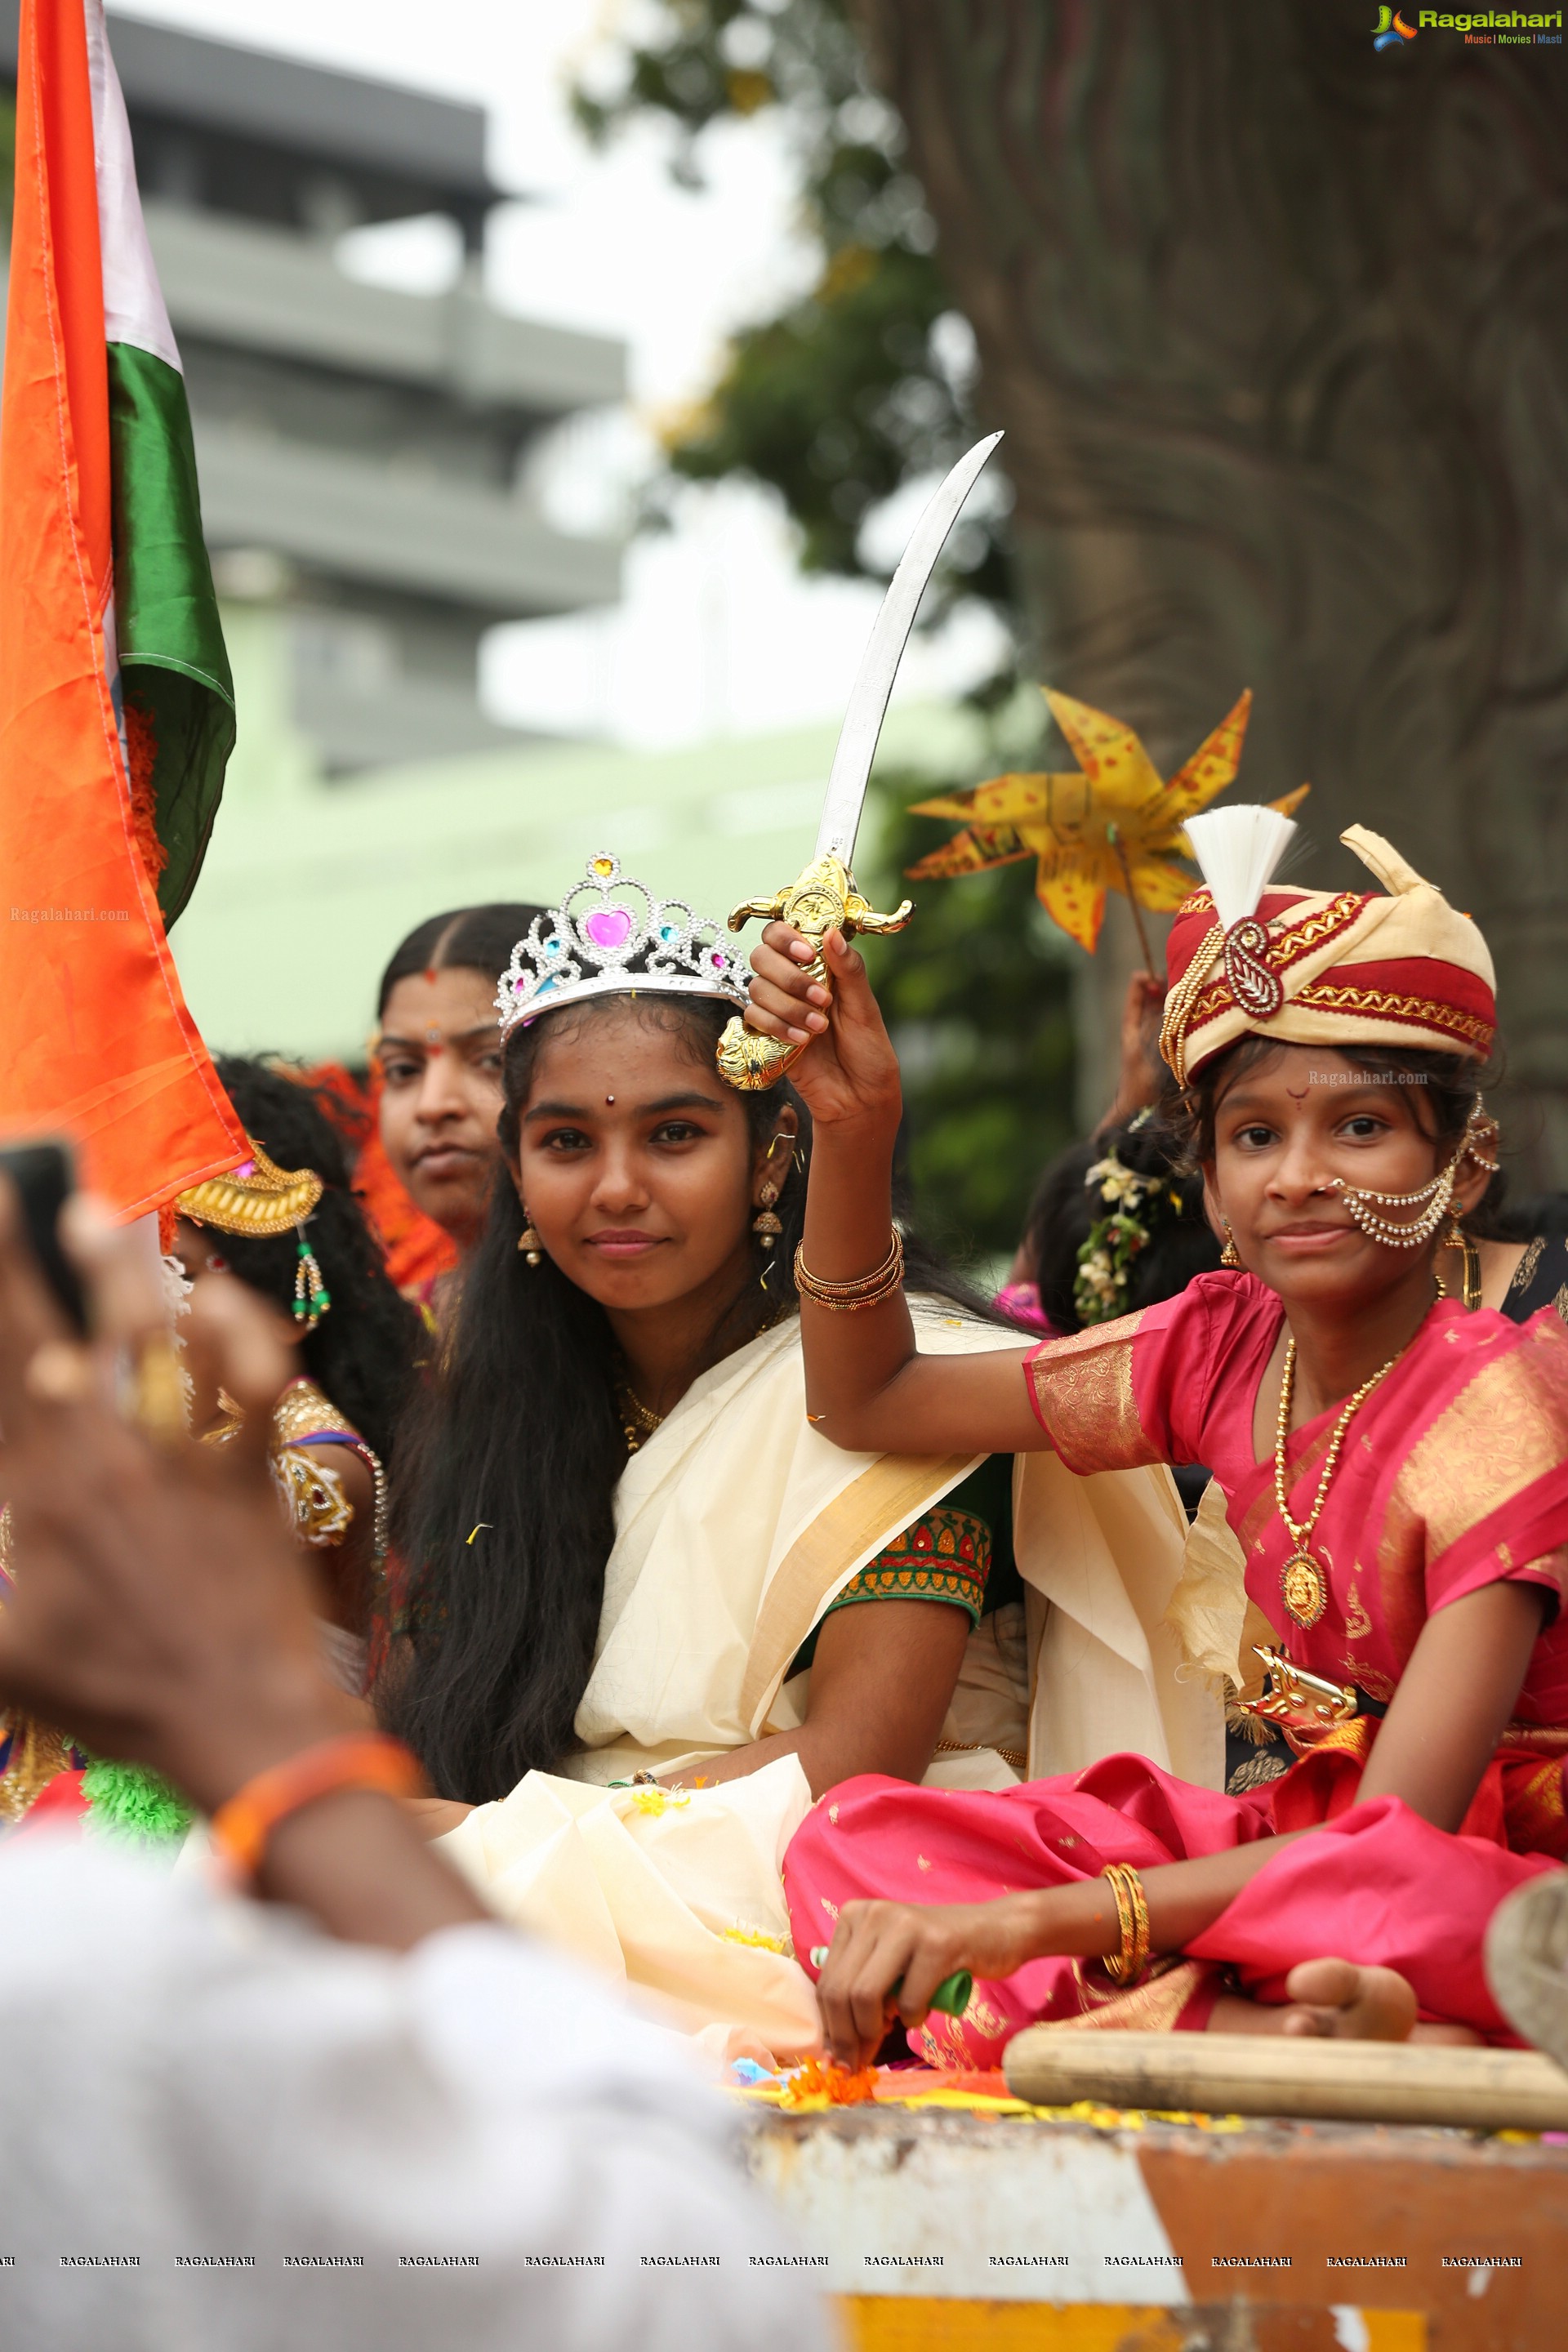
(605, 926)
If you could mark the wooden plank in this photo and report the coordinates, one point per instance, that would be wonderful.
(1281, 2074)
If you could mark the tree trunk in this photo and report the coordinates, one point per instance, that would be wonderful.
(1276, 326)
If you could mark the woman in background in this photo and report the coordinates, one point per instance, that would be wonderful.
(289, 1228)
(437, 1060)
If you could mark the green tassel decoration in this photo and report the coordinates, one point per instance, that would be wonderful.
(134, 1802)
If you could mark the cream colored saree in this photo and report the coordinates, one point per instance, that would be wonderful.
(737, 1527)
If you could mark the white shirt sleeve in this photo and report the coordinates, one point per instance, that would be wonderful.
(302, 2142)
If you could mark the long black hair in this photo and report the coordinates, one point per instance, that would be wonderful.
(504, 1517)
(1066, 1206)
(362, 1353)
(468, 939)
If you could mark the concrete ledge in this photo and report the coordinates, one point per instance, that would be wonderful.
(1293, 2223)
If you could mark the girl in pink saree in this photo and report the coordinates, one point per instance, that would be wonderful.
(1394, 1469)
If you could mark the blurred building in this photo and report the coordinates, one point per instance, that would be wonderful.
(364, 457)
(363, 452)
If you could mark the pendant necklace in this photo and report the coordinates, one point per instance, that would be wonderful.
(1302, 1584)
(637, 1419)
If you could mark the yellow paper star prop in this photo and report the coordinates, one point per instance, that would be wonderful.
(1113, 825)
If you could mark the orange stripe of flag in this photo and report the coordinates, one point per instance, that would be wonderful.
(92, 1008)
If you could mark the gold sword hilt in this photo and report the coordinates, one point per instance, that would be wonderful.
(819, 900)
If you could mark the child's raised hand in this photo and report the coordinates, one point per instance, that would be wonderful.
(851, 1072)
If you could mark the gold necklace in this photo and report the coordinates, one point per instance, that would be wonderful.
(1302, 1583)
(637, 1419)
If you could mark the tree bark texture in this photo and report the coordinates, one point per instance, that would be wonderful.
(1277, 328)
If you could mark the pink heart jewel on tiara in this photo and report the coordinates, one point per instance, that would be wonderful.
(609, 928)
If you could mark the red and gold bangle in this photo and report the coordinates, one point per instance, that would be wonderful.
(865, 1290)
(242, 1827)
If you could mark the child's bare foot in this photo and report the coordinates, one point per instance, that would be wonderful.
(1337, 1998)
(1333, 1999)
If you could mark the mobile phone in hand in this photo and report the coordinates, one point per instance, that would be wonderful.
(45, 1177)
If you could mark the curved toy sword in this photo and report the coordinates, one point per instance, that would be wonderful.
(825, 894)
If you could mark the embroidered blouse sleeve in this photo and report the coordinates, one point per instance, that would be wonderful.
(944, 1555)
(1129, 1392)
(1490, 1475)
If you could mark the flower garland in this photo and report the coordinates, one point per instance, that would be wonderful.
(1133, 1205)
(132, 1802)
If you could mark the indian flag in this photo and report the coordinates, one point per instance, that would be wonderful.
(116, 702)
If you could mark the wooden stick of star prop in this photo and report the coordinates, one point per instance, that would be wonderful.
(1150, 966)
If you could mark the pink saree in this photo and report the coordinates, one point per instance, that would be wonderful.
(1455, 1475)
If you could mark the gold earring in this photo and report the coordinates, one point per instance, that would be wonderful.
(1457, 1238)
(528, 1240)
(1230, 1256)
(764, 1224)
(311, 1296)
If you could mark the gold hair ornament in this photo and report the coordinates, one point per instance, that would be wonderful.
(257, 1200)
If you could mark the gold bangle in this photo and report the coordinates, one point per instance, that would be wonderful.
(866, 1290)
(1132, 1918)
(856, 1283)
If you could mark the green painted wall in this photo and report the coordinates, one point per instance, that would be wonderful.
(309, 885)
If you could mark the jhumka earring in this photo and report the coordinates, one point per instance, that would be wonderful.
(311, 1296)
(765, 1223)
(528, 1241)
(1230, 1256)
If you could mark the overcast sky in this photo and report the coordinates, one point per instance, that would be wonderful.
(717, 633)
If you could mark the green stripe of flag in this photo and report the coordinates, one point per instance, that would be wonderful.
(174, 665)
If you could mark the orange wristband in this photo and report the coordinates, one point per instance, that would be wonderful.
(241, 1828)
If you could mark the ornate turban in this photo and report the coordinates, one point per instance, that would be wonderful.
(1309, 968)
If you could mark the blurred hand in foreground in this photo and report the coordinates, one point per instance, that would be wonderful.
(160, 1613)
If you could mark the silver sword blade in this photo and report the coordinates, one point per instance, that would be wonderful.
(884, 650)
